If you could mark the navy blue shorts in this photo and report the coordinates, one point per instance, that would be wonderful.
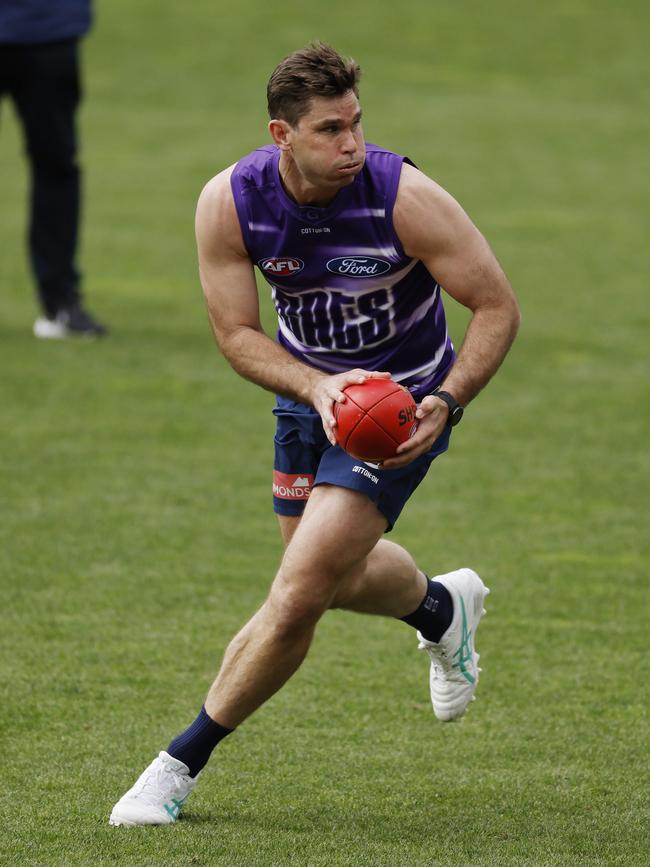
(305, 458)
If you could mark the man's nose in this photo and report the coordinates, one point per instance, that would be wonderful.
(349, 142)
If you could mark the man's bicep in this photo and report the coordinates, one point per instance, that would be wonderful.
(434, 228)
(468, 270)
(226, 272)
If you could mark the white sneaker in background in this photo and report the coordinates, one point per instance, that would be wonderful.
(49, 329)
(72, 321)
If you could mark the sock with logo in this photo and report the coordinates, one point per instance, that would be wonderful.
(434, 614)
(194, 746)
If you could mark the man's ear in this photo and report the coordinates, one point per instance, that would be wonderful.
(280, 132)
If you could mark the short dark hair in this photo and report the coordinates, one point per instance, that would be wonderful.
(317, 70)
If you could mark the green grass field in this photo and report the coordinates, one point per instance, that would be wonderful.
(135, 519)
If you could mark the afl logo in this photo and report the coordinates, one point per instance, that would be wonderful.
(358, 266)
(281, 267)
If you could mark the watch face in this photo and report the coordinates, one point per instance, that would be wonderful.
(455, 409)
(456, 414)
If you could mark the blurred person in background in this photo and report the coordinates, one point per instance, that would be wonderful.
(39, 70)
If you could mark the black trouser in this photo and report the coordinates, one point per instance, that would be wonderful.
(43, 81)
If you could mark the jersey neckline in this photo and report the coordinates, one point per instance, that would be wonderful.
(311, 215)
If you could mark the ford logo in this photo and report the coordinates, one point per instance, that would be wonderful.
(358, 266)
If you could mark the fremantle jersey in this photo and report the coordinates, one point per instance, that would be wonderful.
(345, 292)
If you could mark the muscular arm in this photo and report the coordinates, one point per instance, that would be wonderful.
(230, 290)
(231, 294)
(434, 228)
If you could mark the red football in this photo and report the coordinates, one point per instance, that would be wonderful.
(377, 416)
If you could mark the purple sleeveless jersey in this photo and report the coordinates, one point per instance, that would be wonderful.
(345, 292)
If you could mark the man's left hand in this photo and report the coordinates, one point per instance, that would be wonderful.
(432, 415)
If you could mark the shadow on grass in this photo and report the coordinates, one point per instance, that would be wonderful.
(322, 821)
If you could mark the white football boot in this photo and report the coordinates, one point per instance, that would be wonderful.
(454, 661)
(157, 796)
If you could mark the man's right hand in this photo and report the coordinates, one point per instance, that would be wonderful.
(328, 390)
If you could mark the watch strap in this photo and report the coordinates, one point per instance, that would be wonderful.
(455, 408)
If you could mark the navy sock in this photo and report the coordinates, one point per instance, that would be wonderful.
(434, 614)
(194, 746)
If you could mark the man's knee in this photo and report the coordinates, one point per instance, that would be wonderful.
(298, 600)
(327, 550)
(291, 616)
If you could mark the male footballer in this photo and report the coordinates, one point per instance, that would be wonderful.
(357, 245)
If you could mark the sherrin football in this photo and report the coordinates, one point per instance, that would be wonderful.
(377, 416)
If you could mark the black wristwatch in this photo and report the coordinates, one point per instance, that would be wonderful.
(455, 409)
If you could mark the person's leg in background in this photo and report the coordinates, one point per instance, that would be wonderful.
(47, 94)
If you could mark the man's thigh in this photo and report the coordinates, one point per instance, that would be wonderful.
(337, 531)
